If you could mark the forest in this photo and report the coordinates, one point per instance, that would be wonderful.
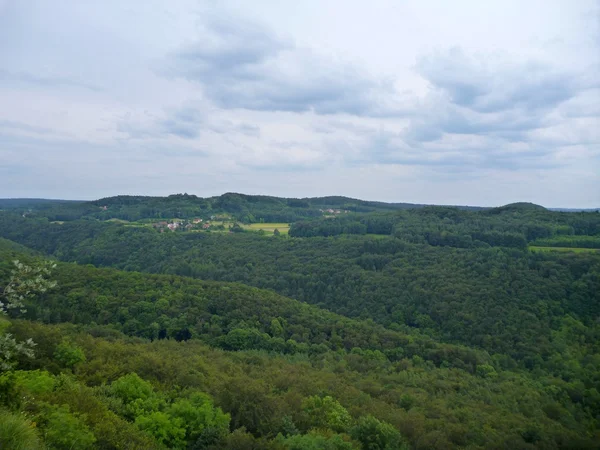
(369, 326)
(245, 208)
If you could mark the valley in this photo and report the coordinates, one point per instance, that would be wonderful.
(410, 326)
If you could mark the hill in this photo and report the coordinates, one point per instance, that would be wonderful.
(411, 327)
(503, 299)
(517, 207)
(252, 388)
(242, 207)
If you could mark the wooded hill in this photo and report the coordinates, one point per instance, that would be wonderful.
(426, 328)
(245, 208)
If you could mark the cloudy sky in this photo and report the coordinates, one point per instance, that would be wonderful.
(462, 102)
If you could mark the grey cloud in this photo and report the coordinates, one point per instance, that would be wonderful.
(281, 167)
(473, 84)
(380, 147)
(45, 80)
(390, 148)
(136, 130)
(476, 117)
(227, 50)
(500, 107)
(333, 126)
(242, 65)
(226, 127)
(443, 118)
(11, 125)
(186, 122)
(184, 129)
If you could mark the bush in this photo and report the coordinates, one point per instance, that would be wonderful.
(64, 430)
(18, 433)
(69, 354)
(374, 434)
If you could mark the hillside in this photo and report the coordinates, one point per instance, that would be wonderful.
(269, 363)
(415, 327)
(242, 207)
(227, 315)
(502, 299)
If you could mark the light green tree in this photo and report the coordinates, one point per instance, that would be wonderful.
(202, 420)
(167, 430)
(374, 434)
(65, 430)
(326, 412)
(316, 441)
(69, 354)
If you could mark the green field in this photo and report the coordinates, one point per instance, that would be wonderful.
(266, 227)
(564, 249)
(269, 227)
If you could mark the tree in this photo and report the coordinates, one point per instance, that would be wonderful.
(25, 283)
(64, 430)
(326, 412)
(166, 430)
(374, 434)
(316, 441)
(69, 354)
(201, 419)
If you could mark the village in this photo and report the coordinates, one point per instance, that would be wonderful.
(219, 223)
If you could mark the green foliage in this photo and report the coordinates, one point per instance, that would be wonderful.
(36, 382)
(10, 348)
(486, 370)
(131, 387)
(326, 412)
(25, 282)
(316, 441)
(18, 433)
(68, 354)
(569, 241)
(203, 422)
(448, 293)
(264, 392)
(136, 397)
(245, 208)
(190, 419)
(166, 430)
(446, 332)
(65, 430)
(374, 434)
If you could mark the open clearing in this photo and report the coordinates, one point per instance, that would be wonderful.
(269, 227)
(266, 227)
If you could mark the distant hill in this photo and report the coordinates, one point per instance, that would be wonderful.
(574, 209)
(518, 207)
(18, 203)
(241, 207)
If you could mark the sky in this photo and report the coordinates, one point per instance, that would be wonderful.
(462, 102)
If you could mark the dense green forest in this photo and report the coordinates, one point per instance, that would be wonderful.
(378, 327)
(245, 208)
